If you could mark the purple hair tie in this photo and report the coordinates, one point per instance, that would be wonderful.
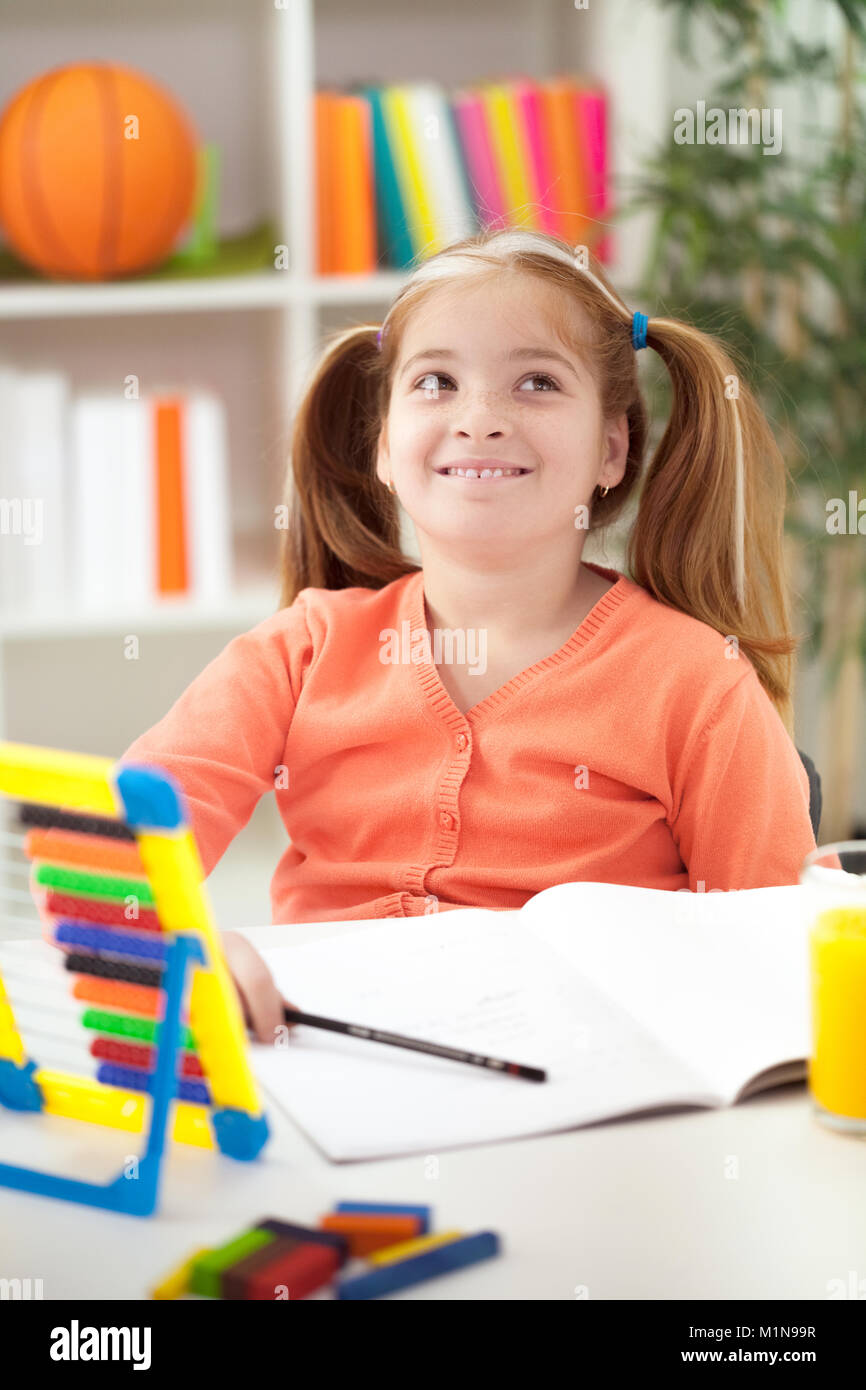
(379, 339)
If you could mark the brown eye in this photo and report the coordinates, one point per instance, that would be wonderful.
(541, 376)
(430, 381)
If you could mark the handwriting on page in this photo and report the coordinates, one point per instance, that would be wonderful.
(488, 988)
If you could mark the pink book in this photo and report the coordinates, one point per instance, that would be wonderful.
(541, 172)
(591, 118)
(487, 192)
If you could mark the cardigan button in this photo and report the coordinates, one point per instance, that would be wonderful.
(446, 819)
(462, 741)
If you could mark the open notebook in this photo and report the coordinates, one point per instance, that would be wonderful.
(632, 998)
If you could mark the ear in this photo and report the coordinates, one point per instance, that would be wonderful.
(383, 457)
(615, 451)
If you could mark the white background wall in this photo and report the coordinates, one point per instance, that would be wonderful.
(214, 53)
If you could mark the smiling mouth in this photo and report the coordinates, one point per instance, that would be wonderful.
(482, 474)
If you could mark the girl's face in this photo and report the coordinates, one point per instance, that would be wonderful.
(483, 382)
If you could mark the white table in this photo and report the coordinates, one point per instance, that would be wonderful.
(758, 1201)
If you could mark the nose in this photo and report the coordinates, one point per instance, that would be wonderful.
(481, 414)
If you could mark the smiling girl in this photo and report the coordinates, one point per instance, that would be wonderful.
(635, 730)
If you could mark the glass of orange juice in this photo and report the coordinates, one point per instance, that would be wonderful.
(834, 883)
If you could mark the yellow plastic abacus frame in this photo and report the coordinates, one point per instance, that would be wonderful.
(150, 802)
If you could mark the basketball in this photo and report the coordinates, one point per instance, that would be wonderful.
(97, 172)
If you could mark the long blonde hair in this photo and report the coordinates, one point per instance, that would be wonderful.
(707, 538)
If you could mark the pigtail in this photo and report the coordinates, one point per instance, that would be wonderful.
(708, 537)
(343, 524)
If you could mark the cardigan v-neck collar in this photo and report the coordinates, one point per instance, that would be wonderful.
(412, 607)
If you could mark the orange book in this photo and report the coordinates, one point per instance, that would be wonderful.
(590, 123)
(569, 193)
(171, 521)
(325, 139)
(355, 220)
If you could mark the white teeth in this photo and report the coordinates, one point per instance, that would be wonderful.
(485, 473)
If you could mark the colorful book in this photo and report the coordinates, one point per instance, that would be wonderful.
(33, 519)
(510, 153)
(591, 123)
(171, 569)
(354, 225)
(408, 169)
(527, 95)
(150, 500)
(42, 411)
(95, 428)
(570, 197)
(461, 172)
(411, 172)
(325, 106)
(439, 159)
(136, 517)
(394, 240)
(488, 195)
(206, 496)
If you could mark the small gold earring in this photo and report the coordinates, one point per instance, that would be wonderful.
(604, 491)
(390, 486)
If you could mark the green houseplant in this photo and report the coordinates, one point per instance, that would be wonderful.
(769, 250)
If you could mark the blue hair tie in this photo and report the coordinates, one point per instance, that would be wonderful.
(638, 330)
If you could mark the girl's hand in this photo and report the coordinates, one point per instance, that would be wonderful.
(260, 999)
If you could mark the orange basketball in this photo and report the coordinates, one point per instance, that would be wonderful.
(97, 172)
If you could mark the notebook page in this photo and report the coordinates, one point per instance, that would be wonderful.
(469, 978)
(720, 979)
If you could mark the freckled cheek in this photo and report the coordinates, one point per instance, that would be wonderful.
(445, 408)
(415, 433)
(414, 428)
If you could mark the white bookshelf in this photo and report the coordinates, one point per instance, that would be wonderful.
(261, 290)
(246, 70)
(247, 606)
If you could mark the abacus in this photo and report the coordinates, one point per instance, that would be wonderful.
(113, 870)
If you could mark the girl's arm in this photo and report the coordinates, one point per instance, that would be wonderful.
(741, 801)
(224, 740)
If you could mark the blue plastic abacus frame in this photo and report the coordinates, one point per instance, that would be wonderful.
(135, 1196)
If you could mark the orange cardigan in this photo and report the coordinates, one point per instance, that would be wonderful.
(640, 752)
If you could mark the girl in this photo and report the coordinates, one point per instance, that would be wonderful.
(508, 716)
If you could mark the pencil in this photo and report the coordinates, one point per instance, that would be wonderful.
(455, 1054)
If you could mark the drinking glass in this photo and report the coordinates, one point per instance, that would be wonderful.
(834, 883)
